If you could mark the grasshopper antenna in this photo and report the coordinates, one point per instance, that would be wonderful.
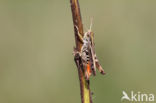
(91, 23)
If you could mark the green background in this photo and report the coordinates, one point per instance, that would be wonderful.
(36, 44)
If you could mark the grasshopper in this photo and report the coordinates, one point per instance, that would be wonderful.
(87, 56)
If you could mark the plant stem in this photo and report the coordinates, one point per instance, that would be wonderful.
(84, 84)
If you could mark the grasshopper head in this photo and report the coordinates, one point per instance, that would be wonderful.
(90, 35)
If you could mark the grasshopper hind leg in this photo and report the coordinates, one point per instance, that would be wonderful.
(86, 72)
(98, 66)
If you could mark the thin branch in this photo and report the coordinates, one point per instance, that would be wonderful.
(77, 22)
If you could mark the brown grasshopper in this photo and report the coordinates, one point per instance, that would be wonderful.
(87, 56)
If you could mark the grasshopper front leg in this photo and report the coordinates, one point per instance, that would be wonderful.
(79, 35)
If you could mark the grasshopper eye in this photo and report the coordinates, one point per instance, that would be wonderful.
(88, 34)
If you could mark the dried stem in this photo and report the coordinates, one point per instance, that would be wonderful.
(77, 22)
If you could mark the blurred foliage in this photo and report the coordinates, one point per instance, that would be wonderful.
(37, 39)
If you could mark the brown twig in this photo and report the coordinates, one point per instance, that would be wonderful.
(77, 22)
